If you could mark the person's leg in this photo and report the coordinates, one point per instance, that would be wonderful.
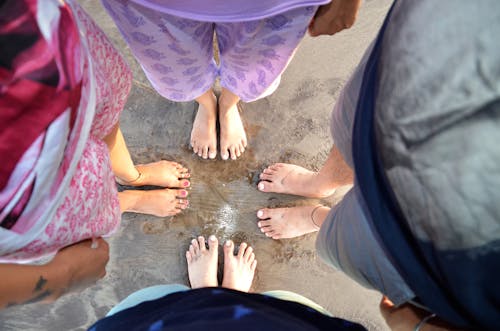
(293, 179)
(204, 133)
(253, 55)
(176, 55)
(164, 202)
(233, 139)
(162, 173)
(347, 242)
(281, 223)
(337, 170)
(146, 294)
(202, 262)
(284, 178)
(239, 269)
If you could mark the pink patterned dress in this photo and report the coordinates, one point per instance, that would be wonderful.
(90, 207)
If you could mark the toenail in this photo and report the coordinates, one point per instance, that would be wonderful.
(193, 241)
(261, 186)
(212, 238)
(259, 224)
(228, 243)
(260, 213)
(186, 183)
(184, 193)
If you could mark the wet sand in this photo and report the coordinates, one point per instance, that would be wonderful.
(292, 125)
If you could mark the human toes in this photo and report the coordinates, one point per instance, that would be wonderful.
(228, 250)
(264, 213)
(235, 152)
(247, 255)
(213, 244)
(194, 248)
(242, 249)
(224, 154)
(267, 186)
(212, 153)
(181, 205)
(201, 243)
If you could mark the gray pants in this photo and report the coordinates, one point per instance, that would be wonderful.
(346, 240)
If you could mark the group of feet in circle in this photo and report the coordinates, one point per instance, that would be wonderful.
(276, 223)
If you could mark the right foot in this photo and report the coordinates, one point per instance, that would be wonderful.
(239, 270)
(292, 179)
(281, 223)
(161, 203)
(162, 173)
(202, 262)
(233, 139)
(204, 132)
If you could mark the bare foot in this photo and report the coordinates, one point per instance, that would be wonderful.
(202, 262)
(204, 133)
(233, 139)
(281, 223)
(164, 202)
(238, 269)
(162, 173)
(292, 179)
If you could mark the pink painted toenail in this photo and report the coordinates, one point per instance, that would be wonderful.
(260, 213)
(184, 193)
(186, 183)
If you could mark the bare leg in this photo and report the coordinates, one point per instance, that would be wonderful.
(165, 202)
(239, 270)
(161, 203)
(292, 179)
(204, 133)
(162, 173)
(280, 223)
(233, 139)
(202, 262)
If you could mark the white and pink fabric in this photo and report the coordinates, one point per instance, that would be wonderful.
(62, 87)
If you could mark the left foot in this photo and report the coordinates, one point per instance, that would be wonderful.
(161, 203)
(238, 269)
(233, 139)
(281, 223)
(162, 173)
(202, 262)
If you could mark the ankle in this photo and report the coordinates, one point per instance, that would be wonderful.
(128, 201)
(227, 104)
(318, 215)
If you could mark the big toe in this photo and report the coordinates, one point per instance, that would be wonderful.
(265, 186)
(228, 250)
(213, 245)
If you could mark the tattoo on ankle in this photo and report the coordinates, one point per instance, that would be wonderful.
(40, 284)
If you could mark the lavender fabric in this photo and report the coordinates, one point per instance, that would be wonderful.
(177, 53)
(226, 11)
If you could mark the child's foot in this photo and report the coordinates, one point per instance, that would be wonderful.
(204, 132)
(281, 223)
(233, 139)
(292, 179)
(162, 203)
(238, 269)
(162, 173)
(202, 262)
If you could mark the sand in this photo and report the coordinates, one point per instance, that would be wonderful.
(292, 125)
